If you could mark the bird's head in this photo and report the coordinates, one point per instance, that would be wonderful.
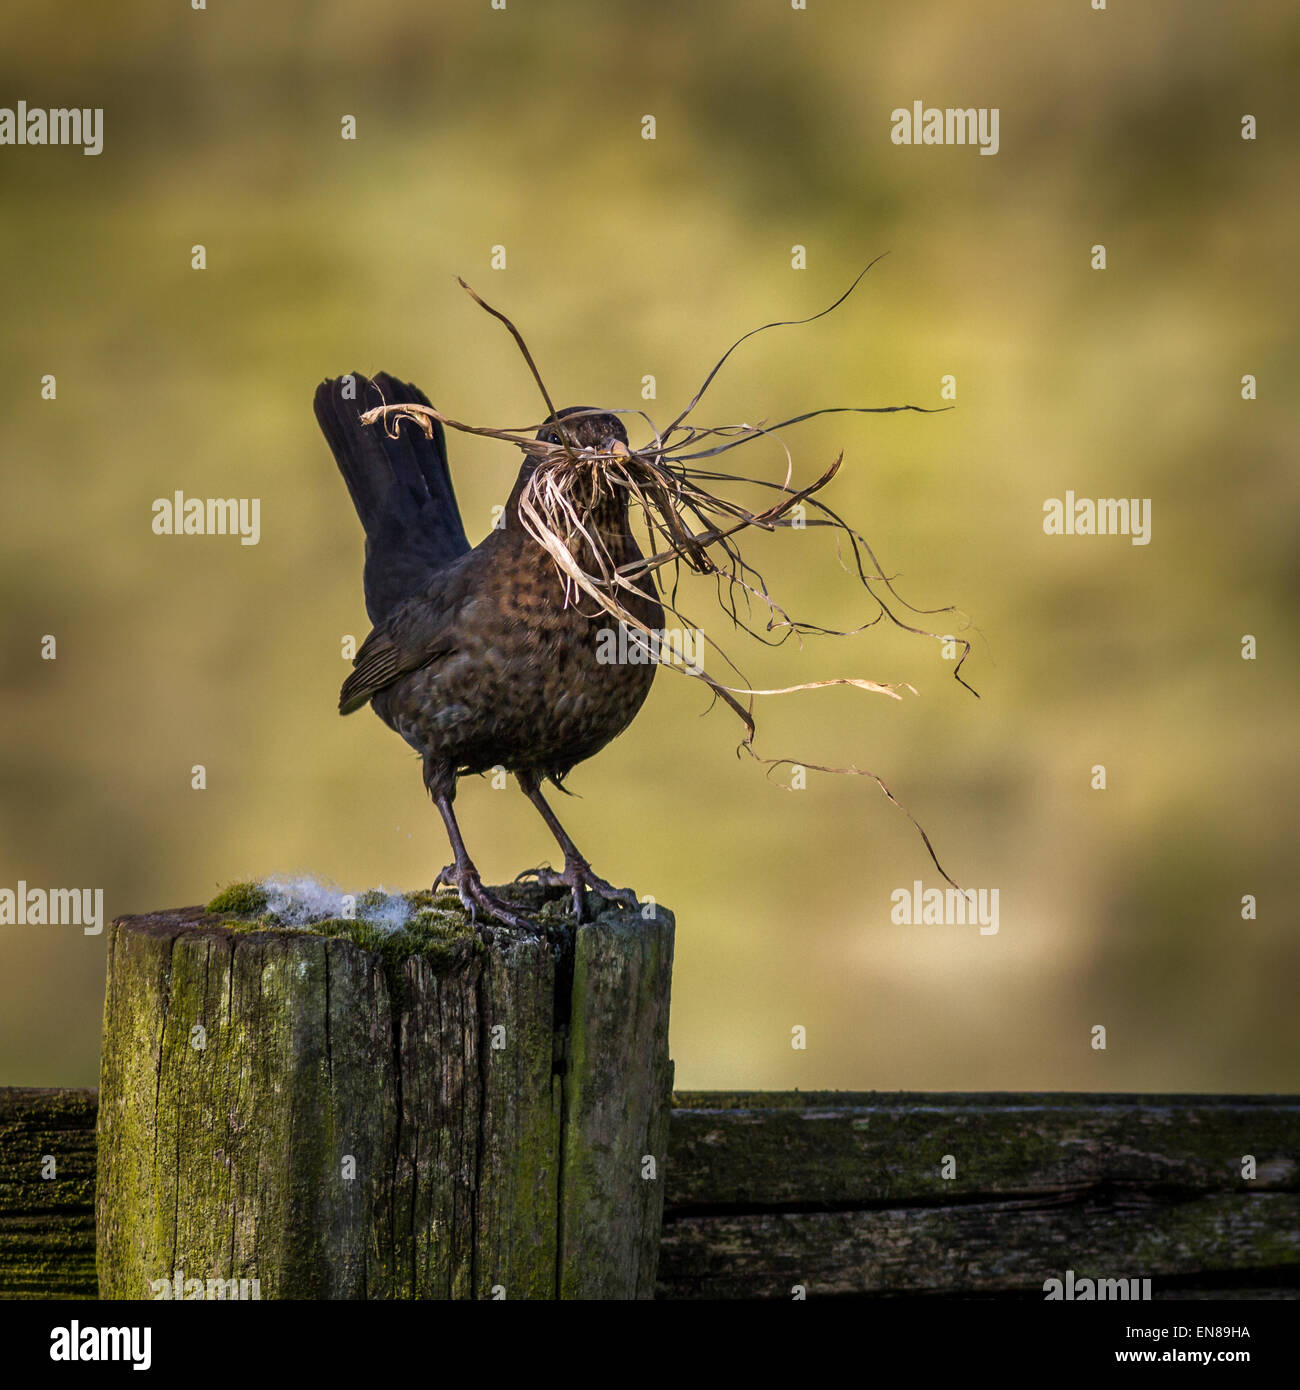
(586, 428)
(575, 462)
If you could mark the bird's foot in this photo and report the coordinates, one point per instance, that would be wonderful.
(475, 898)
(577, 876)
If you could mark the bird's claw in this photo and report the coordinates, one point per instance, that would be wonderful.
(576, 876)
(475, 898)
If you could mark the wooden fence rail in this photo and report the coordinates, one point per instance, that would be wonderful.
(980, 1195)
(865, 1194)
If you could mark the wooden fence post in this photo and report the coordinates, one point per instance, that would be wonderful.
(336, 1112)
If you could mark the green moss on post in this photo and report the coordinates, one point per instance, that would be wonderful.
(239, 899)
(340, 1111)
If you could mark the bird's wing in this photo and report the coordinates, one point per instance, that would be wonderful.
(380, 661)
(400, 486)
(421, 630)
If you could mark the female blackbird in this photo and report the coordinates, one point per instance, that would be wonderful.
(476, 657)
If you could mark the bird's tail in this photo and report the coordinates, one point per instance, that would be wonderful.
(399, 483)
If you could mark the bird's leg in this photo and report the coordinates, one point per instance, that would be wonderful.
(577, 873)
(462, 875)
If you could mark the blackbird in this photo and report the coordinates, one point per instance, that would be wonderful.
(477, 657)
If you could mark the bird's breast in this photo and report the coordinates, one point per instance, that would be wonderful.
(534, 678)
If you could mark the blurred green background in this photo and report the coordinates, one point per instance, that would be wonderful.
(628, 257)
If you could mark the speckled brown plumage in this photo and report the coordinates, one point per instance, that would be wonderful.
(475, 659)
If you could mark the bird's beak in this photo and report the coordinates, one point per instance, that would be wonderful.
(618, 449)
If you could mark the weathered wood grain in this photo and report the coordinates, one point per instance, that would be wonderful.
(841, 1148)
(977, 1248)
(47, 1185)
(887, 1194)
(616, 1130)
(335, 1122)
(477, 1193)
(224, 1125)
